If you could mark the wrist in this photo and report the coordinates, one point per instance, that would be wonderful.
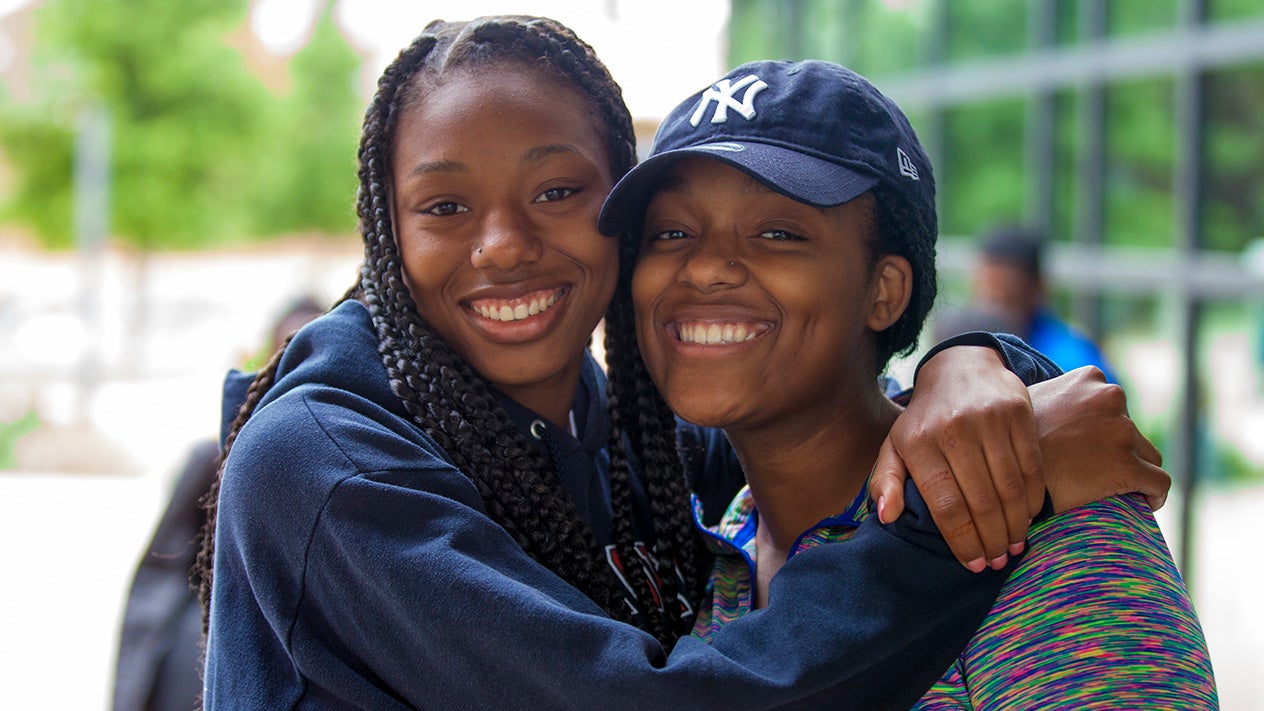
(972, 347)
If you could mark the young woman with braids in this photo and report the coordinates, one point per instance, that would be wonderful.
(424, 502)
(808, 234)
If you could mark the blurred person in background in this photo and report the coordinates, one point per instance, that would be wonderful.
(951, 322)
(1009, 282)
(159, 656)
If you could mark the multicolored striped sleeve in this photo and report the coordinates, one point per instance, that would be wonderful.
(1095, 616)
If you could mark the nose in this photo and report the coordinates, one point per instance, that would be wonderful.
(710, 267)
(508, 240)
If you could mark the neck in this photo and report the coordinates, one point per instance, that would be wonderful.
(551, 400)
(799, 475)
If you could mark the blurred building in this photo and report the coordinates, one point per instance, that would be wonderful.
(1128, 130)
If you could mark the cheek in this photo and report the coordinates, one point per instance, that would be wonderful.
(650, 279)
(602, 261)
(646, 288)
(605, 261)
(426, 264)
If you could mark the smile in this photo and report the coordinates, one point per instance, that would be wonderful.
(516, 309)
(715, 333)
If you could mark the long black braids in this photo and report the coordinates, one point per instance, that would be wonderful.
(643, 421)
(440, 390)
(442, 393)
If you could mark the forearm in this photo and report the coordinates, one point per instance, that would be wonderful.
(1097, 612)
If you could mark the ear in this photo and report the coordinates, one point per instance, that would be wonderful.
(892, 289)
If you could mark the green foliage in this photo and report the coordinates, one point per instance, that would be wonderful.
(1219, 464)
(866, 36)
(11, 432)
(986, 28)
(983, 164)
(1222, 10)
(309, 171)
(1235, 185)
(1141, 162)
(201, 152)
(756, 32)
(41, 151)
(1133, 17)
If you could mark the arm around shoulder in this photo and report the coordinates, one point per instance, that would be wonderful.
(403, 588)
(1096, 616)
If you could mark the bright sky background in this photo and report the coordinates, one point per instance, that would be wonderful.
(660, 51)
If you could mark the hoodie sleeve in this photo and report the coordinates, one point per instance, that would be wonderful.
(1029, 364)
(347, 583)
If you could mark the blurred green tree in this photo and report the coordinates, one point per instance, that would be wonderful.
(201, 152)
(306, 173)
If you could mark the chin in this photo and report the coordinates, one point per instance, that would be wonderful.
(704, 412)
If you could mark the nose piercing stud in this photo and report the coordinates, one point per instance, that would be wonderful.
(479, 250)
(732, 264)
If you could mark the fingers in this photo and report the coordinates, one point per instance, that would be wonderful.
(977, 472)
(1010, 486)
(1155, 484)
(886, 483)
(1147, 451)
(1030, 461)
(934, 478)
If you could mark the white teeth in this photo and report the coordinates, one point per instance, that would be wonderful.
(516, 312)
(713, 334)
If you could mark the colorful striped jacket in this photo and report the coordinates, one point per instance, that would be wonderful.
(1094, 616)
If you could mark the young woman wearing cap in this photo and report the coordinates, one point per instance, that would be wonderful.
(425, 502)
(786, 252)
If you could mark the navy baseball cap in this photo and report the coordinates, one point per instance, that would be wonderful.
(813, 131)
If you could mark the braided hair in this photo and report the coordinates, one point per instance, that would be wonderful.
(455, 406)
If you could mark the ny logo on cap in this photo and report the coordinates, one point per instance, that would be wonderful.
(722, 94)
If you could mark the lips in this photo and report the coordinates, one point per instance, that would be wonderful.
(518, 308)
(718, 333)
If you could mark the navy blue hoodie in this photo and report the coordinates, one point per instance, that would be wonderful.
(355, 567)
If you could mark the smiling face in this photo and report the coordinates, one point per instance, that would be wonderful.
(753, 308)
(497, 178)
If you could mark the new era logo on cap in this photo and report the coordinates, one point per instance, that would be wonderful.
(907, 167)
(722, 94)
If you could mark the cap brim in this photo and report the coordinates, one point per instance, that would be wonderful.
(798, 176)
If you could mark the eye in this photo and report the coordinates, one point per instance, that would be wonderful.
(780, 236)
(443, 209)
(555, 194)
(666, 235)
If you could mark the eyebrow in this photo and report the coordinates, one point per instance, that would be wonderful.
(539, 153)
(438, 166)
(675, 183)
(533, 155)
